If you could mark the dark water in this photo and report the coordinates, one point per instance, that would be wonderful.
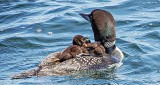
(32, 29)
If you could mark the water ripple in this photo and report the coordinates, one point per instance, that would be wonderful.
(32, 29)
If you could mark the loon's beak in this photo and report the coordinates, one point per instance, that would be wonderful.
(86, 16)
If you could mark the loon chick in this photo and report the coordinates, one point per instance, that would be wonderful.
(81, 45)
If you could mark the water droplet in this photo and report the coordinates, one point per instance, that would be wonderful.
(23, 27)
(137, 24)
(150, 24)
(38, 30)
(50, 33)
(142, 13)
(17, 33)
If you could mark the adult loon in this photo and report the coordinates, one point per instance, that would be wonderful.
(103, 27)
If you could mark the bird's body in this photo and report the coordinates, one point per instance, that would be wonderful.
(103, 27)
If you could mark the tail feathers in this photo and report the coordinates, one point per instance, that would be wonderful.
(27, 74)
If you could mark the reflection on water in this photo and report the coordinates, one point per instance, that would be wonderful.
(32, 29)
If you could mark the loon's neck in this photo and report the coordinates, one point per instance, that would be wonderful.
(110, 49)
(109, 46)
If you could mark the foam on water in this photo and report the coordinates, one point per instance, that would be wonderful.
(32, 29)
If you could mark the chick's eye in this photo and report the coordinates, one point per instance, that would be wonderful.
(83, 41)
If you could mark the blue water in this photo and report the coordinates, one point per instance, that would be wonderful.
(32, 29)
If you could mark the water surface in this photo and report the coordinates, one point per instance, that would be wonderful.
(32, 29)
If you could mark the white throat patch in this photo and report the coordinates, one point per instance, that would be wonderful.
(109, 44)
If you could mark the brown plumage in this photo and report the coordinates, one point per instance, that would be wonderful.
(96, 49)
(80, 45)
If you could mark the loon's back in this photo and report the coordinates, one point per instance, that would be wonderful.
(71, 66)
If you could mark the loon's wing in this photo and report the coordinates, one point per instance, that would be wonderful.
(68, 67)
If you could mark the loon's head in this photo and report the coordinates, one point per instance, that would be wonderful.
(103, 27)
